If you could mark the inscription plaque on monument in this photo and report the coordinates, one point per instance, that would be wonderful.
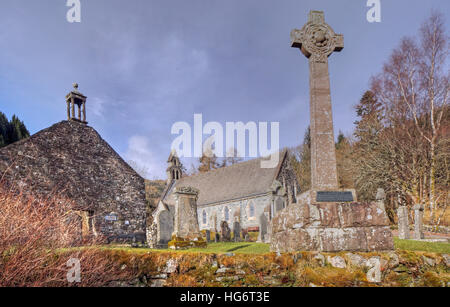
(334, 196)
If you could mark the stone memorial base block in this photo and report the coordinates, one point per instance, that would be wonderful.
(186, 231)
(331, 227)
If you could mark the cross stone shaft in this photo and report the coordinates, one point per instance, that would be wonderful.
(317, 41)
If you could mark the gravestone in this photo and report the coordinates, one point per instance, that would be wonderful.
(326, 218)
(247, 238)
(208, 235)
(165, 226)
(186, 229)
(225, 232)
(237, 231)
(263, 227)
(403, 222)
(381, 198)
(217, 237)
(418, 222)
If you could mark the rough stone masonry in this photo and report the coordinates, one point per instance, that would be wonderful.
(70, 159)
(326, 218)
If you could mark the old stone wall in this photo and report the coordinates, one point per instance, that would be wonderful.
(72, 160)
(331, 227)
(306, 269)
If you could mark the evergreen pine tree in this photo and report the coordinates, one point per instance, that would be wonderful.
(11, 131)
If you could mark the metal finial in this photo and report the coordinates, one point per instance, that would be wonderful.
(75, 86)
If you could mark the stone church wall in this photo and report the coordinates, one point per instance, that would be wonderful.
(240, 208)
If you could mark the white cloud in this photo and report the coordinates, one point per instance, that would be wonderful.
(96, 106)
(178, 67)
(144, 161)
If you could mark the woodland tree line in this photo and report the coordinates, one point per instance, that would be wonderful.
(11, 131)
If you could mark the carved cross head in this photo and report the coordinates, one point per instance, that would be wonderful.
(316, 39)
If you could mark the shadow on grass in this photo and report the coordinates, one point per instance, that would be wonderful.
(238, 247)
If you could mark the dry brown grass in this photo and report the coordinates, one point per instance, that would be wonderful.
(33, 235)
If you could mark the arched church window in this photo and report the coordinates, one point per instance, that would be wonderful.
(204, 216)
(251, 210)
(227, 214)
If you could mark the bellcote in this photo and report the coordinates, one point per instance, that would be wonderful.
(78, 99)
(174, 167)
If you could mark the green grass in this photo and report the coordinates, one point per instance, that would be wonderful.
(213, 248)
(261, 248)
(432, 247)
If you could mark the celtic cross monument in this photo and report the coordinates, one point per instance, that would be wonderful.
(317, 41)
(326, 218)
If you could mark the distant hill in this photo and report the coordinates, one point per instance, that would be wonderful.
(153, 191)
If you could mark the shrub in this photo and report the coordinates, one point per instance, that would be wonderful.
(37, 236)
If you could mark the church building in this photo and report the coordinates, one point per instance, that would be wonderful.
(71, 160)
(243, 192)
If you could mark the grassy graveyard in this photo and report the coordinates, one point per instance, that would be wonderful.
(261, 248)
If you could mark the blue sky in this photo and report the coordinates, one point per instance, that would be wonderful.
(145, 65)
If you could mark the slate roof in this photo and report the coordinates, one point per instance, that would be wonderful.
(229, 183)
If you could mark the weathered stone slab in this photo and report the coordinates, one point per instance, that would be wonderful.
(186, 229)
(328, 215)
(337, 228)
(362, 215)
(403, 222)
(343, 239)
(418, 222)
(225, 232)
(379, 238)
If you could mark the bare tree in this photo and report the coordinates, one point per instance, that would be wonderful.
(142, 170)
(413, 89)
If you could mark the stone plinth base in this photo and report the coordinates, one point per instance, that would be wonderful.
(331, 227)
(183, 243)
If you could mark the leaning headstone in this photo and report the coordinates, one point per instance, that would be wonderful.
(225, 232)
(403, 222)
(186, 229)
(418, 222)
(237, 231)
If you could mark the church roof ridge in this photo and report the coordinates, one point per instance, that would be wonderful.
(232, 182)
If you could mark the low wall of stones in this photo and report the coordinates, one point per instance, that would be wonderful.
(305, 269)
(331, 227)
(437, 229)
